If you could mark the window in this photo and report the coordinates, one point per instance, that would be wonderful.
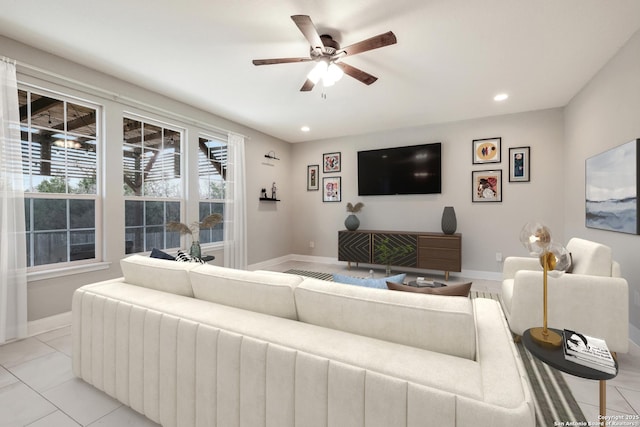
(151, 155)
(59, 140)
(212, 172)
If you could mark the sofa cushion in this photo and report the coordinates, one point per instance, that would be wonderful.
(160, 274)
(380, 283)
(459, 290)
(250, 290)
(157, 253)
(590, 258)
(437, 323)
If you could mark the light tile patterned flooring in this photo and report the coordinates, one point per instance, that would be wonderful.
(38, 388)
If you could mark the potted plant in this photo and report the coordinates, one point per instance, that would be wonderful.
(387, 253)
(352, 222)
(194, 230)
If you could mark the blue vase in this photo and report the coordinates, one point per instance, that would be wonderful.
(352, 222)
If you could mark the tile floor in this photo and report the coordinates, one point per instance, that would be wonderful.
(38, 388)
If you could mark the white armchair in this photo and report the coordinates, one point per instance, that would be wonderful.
(593, 299)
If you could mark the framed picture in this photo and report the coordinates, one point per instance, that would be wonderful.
(611, 193)
(313, 183)
(331, 189)
(519, 164)
(331, 162)
(487, 186)
(487, 150)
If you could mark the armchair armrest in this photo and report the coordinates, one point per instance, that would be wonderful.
(513, 264)
(593, 305)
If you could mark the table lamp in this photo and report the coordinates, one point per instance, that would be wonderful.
(554, 259)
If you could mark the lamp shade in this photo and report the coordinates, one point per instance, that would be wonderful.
(559, 259)
(535, 237)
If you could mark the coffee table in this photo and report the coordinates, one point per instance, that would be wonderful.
(554, 357)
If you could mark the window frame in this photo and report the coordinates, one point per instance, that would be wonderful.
(224, 139)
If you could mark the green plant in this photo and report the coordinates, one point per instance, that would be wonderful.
(388, 253)
(195, 227)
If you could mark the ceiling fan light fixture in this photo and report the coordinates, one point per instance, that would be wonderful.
(334, 73)
(318, 72)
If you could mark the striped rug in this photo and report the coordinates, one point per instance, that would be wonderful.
(553, 399)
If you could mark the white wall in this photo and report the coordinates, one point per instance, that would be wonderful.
(486, 228)
(605, 114)
(268, 226)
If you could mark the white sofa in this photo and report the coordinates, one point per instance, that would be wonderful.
(197, 345)
(593, 299)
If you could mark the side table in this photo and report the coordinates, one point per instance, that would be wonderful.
(554, 357)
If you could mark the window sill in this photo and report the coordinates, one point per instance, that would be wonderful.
(35, 276)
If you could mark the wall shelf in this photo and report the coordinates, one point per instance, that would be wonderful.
(268, 199)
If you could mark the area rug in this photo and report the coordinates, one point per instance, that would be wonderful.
(553, 399)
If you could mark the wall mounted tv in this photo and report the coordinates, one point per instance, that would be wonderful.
(414, 169)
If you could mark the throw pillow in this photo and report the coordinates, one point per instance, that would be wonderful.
(461, 290)
(185, 257)
(157, 253)
(367, 282)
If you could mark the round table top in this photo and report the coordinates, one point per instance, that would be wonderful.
(554, 357)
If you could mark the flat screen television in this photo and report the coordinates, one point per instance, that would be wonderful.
(414, 169)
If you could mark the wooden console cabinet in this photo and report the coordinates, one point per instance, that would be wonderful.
(432, 251)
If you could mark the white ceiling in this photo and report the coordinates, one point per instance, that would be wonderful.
(452, 56)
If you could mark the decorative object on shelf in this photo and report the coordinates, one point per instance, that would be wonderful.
(194, 230)
(612, 182)
(331, 189)
(271, 155)
(331, 162)
(312, 177)
(555, 259)
(449, 222)
(388, 253)
(486, 186)
(519, 164)
(263, 193)
(273, 191)
(486, 150)
(352, 222)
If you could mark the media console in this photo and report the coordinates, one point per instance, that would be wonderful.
(432, 251)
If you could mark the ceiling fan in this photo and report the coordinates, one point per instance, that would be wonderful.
(327, 53)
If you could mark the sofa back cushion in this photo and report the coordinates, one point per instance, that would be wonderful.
(268, 293)
(159, 274)
(590, 258)
(444, 324)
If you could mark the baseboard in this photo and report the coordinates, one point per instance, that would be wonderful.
(47, 324)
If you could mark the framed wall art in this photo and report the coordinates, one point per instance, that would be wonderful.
(331, 162)
(611, 193)
(519, 164)
(331, 189)
(487, 150)
(313, 183)
(487, 186)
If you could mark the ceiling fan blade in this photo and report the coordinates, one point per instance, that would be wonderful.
(279, 61)
(307, 86)
(357, 73)
(381, 40)
(309, 31)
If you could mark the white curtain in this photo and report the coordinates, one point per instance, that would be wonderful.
(13, 254)
(235, 215)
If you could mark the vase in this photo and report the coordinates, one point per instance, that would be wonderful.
(449, 222)
(352, 222)
(195, 249)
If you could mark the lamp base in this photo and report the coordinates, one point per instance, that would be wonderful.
(546, 337)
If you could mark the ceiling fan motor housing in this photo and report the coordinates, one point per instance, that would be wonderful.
(329, 49)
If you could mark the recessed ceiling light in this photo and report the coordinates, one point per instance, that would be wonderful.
(500, 97)
(305, 128)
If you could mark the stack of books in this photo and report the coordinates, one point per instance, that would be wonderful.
(588, 351)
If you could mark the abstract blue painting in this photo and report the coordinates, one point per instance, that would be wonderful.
(612, 189)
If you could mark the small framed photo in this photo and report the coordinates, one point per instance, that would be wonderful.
(487, 186)
(331, 189)
(331, 162)
(487, 150)
(313, 183)
(519, 164)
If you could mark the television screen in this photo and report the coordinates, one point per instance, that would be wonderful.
(413, 169)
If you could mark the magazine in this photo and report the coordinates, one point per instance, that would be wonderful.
(588, 351)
